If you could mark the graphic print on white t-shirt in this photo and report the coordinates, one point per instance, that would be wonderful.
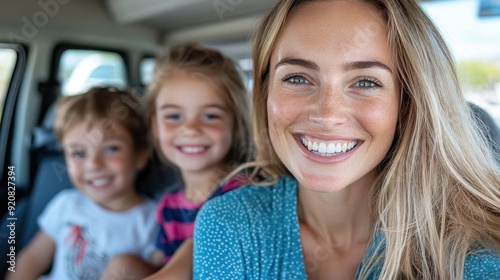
(83, 258)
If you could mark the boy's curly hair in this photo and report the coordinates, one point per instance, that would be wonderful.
(97, 108)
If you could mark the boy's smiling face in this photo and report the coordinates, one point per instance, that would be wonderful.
(103, 163)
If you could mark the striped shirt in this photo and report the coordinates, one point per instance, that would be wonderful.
(176, 214)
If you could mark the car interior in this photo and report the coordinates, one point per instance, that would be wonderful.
(51, 48)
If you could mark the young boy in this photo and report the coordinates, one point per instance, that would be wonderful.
(105, 145)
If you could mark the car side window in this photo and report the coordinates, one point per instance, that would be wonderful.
(80, 70)
(468, 27)
(8, 58)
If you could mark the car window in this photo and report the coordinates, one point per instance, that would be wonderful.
(8, 58)
(146, 67)
(471, 29)
(79, 70)
(101, 71)
(246, 68)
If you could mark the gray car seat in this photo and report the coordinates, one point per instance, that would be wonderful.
(489, 129)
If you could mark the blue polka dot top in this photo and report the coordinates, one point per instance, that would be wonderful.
(253, 233)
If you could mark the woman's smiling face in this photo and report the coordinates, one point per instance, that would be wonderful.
(333, 97)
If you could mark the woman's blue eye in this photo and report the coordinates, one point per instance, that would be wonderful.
(366, 84)
(296, 80)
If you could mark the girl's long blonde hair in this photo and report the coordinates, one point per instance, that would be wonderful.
(437, 197)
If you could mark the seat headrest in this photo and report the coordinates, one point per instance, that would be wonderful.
(43, 137)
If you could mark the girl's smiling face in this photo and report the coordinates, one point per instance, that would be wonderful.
(192, 124)
(332, 97)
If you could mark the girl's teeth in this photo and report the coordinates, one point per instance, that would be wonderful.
(192, 150)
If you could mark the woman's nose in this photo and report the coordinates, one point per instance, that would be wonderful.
(329, 108)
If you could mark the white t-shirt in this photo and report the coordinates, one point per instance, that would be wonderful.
(87, 236)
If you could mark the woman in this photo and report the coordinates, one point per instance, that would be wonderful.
(374, 165)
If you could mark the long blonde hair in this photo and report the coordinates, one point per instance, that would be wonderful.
(437, 197)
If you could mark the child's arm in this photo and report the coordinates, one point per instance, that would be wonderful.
(180, 266)
(127, 266)
(35, 259)
(158, 258)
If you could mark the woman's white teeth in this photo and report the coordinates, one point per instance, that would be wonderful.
(327, 149)
(322, 148)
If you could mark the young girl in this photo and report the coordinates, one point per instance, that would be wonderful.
(198, 108)
(375, 167)
(104, 216)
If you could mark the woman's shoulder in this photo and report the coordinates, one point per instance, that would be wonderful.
(259, 201)
(281, 190)
(234, 182)
(484, 264)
